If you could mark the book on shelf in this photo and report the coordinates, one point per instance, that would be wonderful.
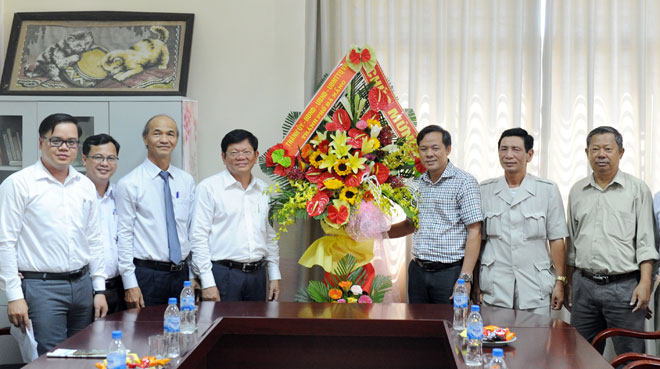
(6, 148)
(3, 161)
(18, 146)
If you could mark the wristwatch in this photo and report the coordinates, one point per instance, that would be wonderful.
(99, 292)
(466, 277)
(562, 279)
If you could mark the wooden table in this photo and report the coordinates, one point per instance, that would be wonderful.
(298, 335)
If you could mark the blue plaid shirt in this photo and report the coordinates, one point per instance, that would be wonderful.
(446, 207)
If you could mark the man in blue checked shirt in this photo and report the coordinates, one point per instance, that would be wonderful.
(447, 244)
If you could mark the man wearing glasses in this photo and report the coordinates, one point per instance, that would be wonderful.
(49, 232)
(100, 156)
(232, 241)
(153, 204)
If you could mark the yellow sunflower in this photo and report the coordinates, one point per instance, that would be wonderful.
(341, 167)
(314, 158)
(333, 183)
(348, 194)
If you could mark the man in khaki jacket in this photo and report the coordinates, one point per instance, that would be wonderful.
(522, 215)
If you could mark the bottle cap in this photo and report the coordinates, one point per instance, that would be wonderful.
(186, 284)
(497, 352)
(460, 281)
(475, 308)
(116, 335)
(172, 301)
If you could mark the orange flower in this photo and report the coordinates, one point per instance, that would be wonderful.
(345, 285)
(335, 293)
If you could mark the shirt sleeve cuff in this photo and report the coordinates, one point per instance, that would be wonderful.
(207, 280)
(98, 283)
(14, 294)
(274, 272)
(129, 281)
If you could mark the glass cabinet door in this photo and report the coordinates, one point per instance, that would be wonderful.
(18, 137)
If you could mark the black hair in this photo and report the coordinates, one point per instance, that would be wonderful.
(518, 132)
(446, 137)
(606, 129)
(48, 124)
(97, 140)
(236, 136)
(145, 130)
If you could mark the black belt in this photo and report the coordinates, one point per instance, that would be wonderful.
(244, 267)
(605, 279)
(434, 266)
(112, 283)
(167, 266)
(65, 276)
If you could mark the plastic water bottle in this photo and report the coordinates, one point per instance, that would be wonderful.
(171, 328)
(116, 352)
(460, 305)
(475, 333)
(187, 309)
(497, 362)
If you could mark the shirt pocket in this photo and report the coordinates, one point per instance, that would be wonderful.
(545, 278)
(621, 226)
(182, 208)
(487, 273)
(534, 225)
(493, 224)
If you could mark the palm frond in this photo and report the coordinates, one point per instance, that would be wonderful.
(345, 265)
(379, 287)
(318, 291)
(411, 114)
(303, 296)
(321, 81)
(358, 276)
(289, 121)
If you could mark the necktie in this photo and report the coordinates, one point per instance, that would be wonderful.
(172, 236)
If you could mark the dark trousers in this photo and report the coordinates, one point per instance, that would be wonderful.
(158, 286)
(236, 285)
(431, 287)
(114, 295)
(597, 307)
(58, 309)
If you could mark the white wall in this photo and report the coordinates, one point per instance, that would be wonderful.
(246, 69)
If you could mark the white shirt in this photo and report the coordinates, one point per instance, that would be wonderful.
(231, 223)
(48, 226)
(108, 223)
(141, 228)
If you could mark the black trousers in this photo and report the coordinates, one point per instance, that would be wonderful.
(236, 285)
(158, 286)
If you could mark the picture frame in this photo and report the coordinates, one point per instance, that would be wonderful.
(98, 53)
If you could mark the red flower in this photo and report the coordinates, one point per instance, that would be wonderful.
(324, 146)
(367, 196)
(313, 174)
(359, 57)
(378, 100)
(338, 215)
(418, 165)
(353, 180)
(305, 151)
(316, 206)
(277, 156)
(381, 172)
(341, 121)
(370, 114)
(357, 137)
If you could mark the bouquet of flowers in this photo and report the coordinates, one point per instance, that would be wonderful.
(347, 284)
(350, 172)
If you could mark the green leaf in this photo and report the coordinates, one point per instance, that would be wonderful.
(345, 265)
(379, 287)
(318, 291)
(280, 158)
(289, 121)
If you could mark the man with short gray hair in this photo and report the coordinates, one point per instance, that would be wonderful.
(611, 248)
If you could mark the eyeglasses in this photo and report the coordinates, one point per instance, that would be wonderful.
(58, 142)
(236, 154)
(100, 159)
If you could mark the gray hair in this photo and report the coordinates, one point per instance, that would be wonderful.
(606, 129)
(145, 130)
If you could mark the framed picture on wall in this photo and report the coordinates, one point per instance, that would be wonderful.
(98, 53)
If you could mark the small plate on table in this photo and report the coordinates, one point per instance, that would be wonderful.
(498, 343)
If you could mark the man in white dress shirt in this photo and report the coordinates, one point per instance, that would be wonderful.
(152, 230)
(100, 156)
(49, 232)
(232, 241)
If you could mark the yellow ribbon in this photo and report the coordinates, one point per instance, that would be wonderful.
(327, 250)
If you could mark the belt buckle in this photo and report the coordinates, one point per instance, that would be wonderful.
(601, 278)
(176, 267)
(245, 268)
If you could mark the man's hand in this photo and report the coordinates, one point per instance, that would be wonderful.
(210, 294)
(100, 306)
(274, 290)
(17, 311)
(557, 295)
(641, 296)
(133, 298)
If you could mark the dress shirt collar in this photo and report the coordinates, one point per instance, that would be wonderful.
(449, 172)
(44, 173)
(228, 180)
(618, 179)
(527, 188)
(153, 170)
(109, 193)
